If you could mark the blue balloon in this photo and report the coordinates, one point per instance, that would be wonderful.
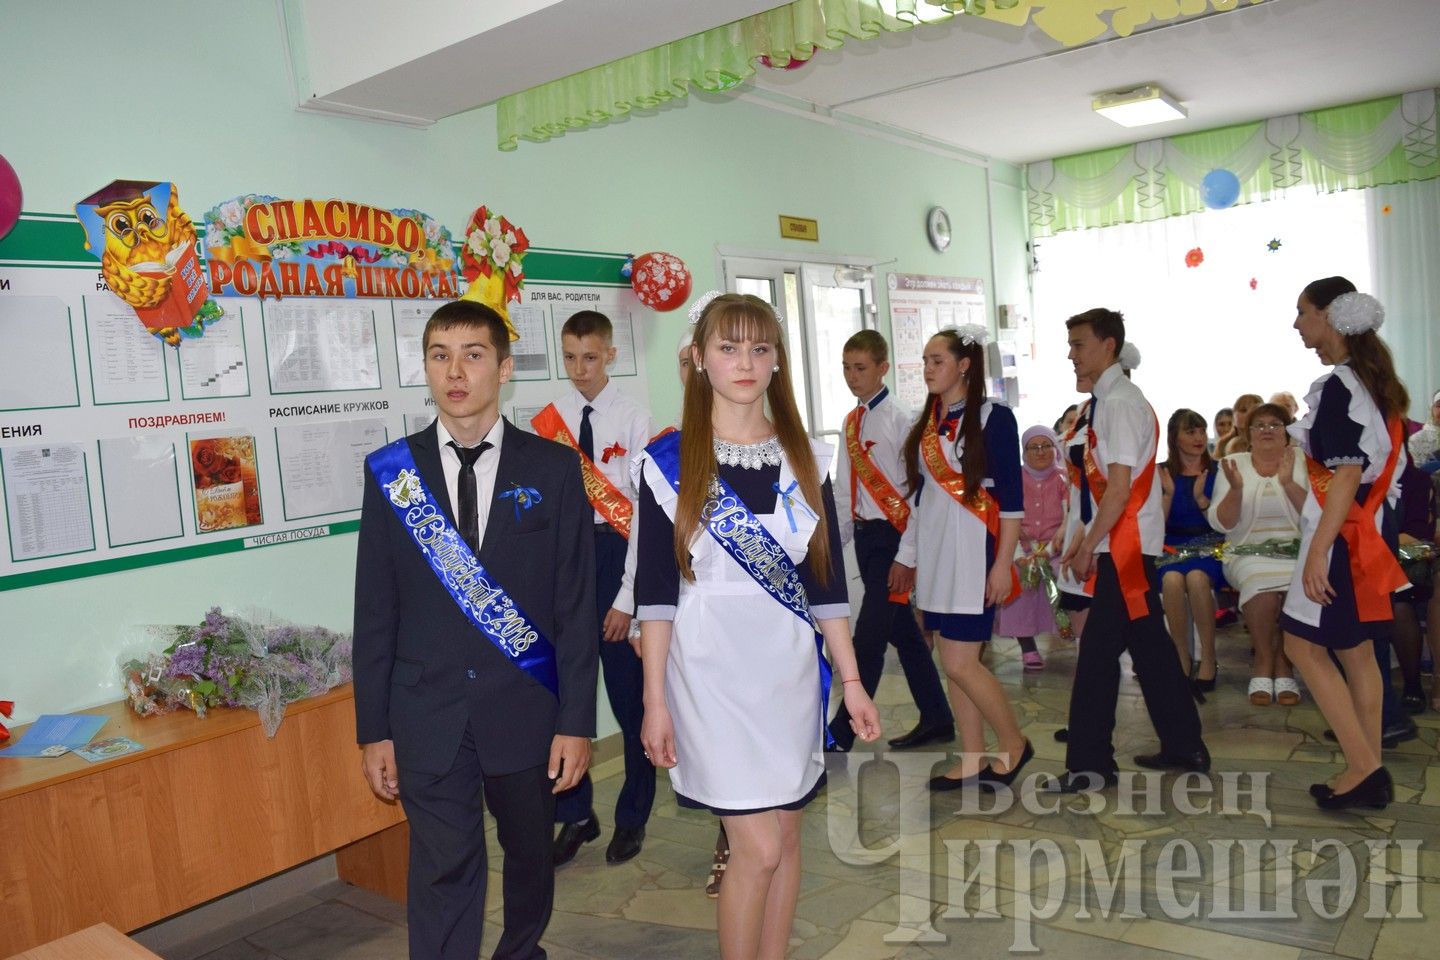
(1220, 189)
(627, 268)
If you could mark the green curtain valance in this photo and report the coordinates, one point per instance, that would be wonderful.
(1390, 140)
(725, 56)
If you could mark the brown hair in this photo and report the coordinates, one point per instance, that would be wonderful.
(587, 323)
(1184, 419)
(972, 461)
(869, 341)
(1106, 324)
(737, 317)
(1370, 358)
(1269, 410)
(469, 313)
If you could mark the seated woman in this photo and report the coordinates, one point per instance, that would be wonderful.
(1425, 442)
(1237, 439)
(1187, 588)
(1258, 497)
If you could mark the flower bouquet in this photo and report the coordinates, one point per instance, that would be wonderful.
(233, 661)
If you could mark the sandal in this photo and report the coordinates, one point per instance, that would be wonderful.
(1262, 690)
(1287, 691)
(717, 872)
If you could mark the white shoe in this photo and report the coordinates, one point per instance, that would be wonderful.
(1262, 690)
(1287, 691)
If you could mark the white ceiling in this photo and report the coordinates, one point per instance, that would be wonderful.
(1017, 95)
(986, 87)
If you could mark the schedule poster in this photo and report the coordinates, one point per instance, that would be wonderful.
(921, 306)
(118, 450)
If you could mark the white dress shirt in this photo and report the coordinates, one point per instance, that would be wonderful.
(1126, 433)
(486, 467)
(884, 423)
(614, 419)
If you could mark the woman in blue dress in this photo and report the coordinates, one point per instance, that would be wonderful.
(1187, 587)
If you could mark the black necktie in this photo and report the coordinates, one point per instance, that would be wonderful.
(1086, 512)
(587, 435)
(467, 512)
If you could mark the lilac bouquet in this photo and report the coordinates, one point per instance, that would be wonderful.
(232, 661)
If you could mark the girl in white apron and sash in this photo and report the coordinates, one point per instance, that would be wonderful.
(733, 679)
(1339, 601)
(962, 460)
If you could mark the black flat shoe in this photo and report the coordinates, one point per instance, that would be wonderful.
(1321, 790)
(990, 777)
(1062, 735)
(1084, 782)
(1206, 686)
(1413, 703)
(573, 836)
(1375, 791)
(624, 845)
(944, 784)
(1197, 762)
(921, 736)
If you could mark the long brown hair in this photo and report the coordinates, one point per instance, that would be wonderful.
(1184, 419)
(1370, 358)
(738, 317)
(972, 460)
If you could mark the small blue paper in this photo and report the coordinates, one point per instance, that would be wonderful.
(69, 730)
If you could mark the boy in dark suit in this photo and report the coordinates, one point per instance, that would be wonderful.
(475, 660)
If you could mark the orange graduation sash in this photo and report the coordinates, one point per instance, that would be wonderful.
(604, 496)
(1373, 568)
(984, 506)
(863, 469)
(1125, 535)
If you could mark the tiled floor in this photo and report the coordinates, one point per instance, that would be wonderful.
(903, 895)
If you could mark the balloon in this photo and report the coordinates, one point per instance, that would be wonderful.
(795, 62)
(1219, 189)
(660, 280)
(9, 197)
(627, 269)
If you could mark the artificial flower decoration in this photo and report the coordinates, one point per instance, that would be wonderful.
(1254, 283)
(1195, 257)
(1273, 245)
(1385, 209)
(491, 261)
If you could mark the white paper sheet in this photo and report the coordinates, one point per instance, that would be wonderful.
(37, 364)
(532, 361)
(415, 422)
(410, 319)
(520, 415)
(322, 465)
(127, 362)
(141, 489)
(215, 364)
(47, 498)
(319, 345)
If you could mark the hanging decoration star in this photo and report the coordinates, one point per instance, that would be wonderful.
(1254, 283)
(1273, 245)
(1195, 257)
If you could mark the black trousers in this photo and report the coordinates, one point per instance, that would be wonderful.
(625, 689)
(881, 624)
(1108, 632)
(446, 884)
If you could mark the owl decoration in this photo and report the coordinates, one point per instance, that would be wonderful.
(146, 247)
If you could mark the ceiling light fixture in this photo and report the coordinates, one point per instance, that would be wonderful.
(1138, 107)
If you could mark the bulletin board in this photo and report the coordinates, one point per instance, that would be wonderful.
(118, 451)
(920, 307)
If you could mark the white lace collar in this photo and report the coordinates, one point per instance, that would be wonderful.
(748, 456)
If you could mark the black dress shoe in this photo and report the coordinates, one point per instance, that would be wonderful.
(1392, 736)
(1083, 782)
(1197, 762)
(625, 844)
(1376, 790)
(573, 836)
(1062, 735)
(1205, 686)
(920, 736)
(990, 777)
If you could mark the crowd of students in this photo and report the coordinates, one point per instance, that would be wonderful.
(724, 539)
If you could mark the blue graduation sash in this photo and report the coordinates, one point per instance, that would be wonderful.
(741, 534)
(483, 601)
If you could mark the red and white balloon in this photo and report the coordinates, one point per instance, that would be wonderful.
(660, 280)
(9, 197)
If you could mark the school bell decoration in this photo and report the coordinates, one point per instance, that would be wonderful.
(490, 260)
(660, 280)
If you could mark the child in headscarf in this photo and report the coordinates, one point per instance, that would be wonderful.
(1046, 496)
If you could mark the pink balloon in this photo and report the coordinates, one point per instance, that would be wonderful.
(9, 197)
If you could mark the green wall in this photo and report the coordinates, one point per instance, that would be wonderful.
(209, 106)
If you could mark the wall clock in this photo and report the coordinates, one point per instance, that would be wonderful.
(937, 228)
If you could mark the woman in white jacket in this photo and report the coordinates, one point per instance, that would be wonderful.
(1258, 497)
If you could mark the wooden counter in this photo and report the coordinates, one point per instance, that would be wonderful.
(100, 942)
(207, 807)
